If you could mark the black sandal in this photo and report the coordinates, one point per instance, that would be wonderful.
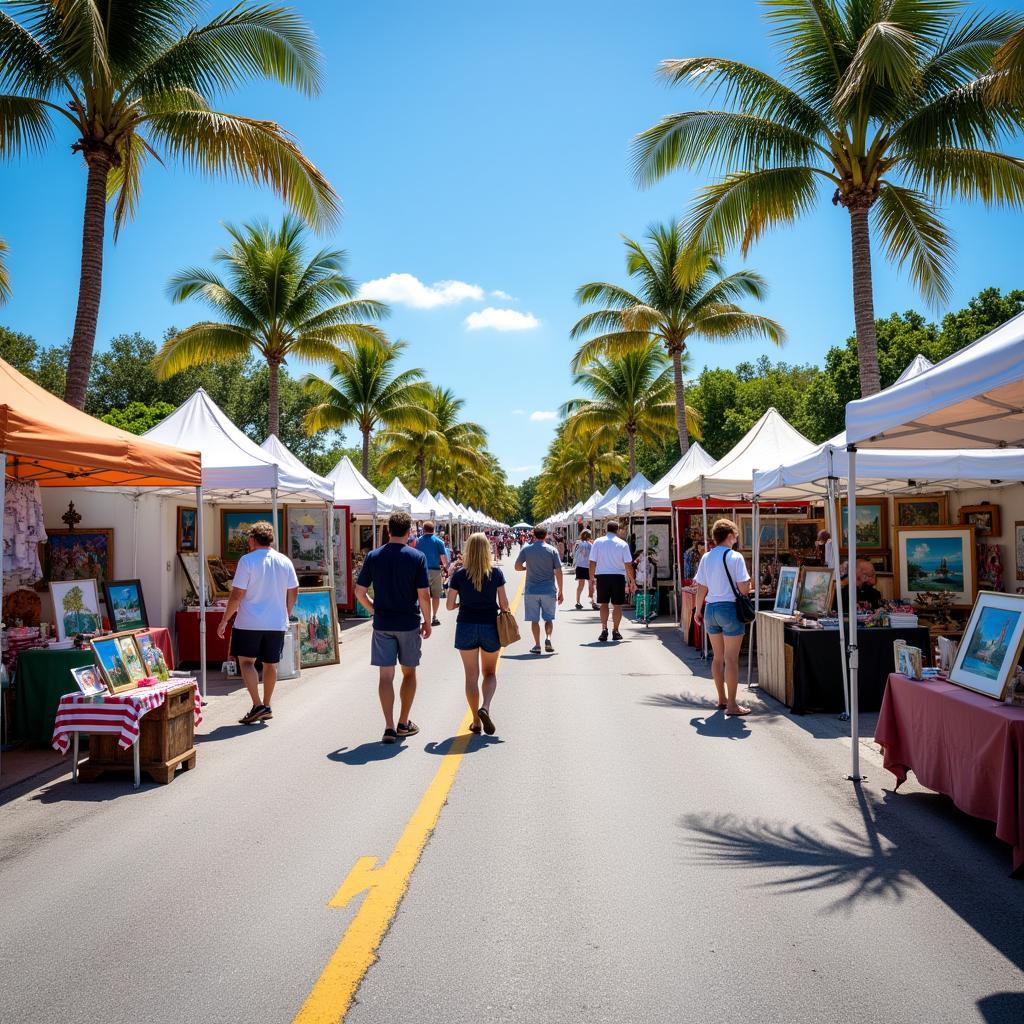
(390, 736)
(475, 730)
(409, 728)
(485, 717)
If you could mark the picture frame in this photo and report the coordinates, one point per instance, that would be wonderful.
(921, 510)
(190, 566)
(991, 645)
(984, 518)
(119, 660)
(786, 589)
(802, 534)
(126, 607)
(152, 657)
(89, 680)
(816, 591)
(872, 525)
(342, 545)
(218, 577)
(234, 529)
(317, 613)
(76, 607)
(936, 559)
(187, 532)
(306, 538)
(1018, 548)
(772, 528)
(78, 554)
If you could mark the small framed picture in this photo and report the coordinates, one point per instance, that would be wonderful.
(76, 607)
(802, 534)
(817, 588)
(89, 680)
(188, 534)
(922, 510)
(785, 592)
(125, 605)
(1018, 547)
(991, 644)
(984, 518)
(119, 660)
(152, 656)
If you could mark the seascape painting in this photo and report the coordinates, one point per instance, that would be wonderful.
(786, 590)
(936, 565)
(990, 650)
(989, 643)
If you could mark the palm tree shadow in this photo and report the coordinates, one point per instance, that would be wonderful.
(685, 701)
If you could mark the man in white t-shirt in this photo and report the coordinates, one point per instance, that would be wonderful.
(611, 568)
(263, 594)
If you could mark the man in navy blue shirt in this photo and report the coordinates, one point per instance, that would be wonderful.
(437, 559)
(401, 593)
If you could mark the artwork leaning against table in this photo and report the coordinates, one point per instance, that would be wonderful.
(785, 592)
(991, 645)
(119, 660)
(88, 680)
(318, 627)
(936, 560)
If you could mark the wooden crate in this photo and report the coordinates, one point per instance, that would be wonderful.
(774, 657)
(166, 739)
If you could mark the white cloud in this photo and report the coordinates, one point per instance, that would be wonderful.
(501, 320)
(920, 553)
(504, 296)
(407, 290)
(540, 416)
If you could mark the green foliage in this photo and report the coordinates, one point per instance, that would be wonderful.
(526, 491)
(20, 350)
(137, 417)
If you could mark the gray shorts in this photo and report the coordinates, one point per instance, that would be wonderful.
(436, 585)
(389, 647)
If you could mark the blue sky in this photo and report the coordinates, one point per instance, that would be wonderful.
(482, 144)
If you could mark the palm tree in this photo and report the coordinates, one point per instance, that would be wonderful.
(1009, 67)
(632, 395)
(587, 457)
(137, 79)
(277, 301)
(365, 389)
(5, 280)
(681, 293)
(886, 106)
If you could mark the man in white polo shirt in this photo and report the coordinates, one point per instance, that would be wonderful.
(611, 567)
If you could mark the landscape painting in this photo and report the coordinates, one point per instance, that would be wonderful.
(922, 510)
(936, 560)
(872, 525)
(772, 529)
(119, 660)
(76, 608)
(785, 592)
(234, 530)
(318, 627)
(125, 605)
(816, 592)
(991, 646)
(78, 555)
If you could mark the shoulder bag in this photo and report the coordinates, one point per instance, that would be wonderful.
(745, 610)
(508, 629)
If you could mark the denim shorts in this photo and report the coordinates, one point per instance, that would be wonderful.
(537, 606)
(721, 617)
(471, 635)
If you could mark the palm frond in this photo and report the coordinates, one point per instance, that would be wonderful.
(609, 294)
(732, 324)
(195, 282)
(887, 55)
(613, 345)
(1009, 71)
(24, 125)
(995, 178)
(200, 344)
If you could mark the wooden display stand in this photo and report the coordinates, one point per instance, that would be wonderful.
(774, 657)
(166, 739)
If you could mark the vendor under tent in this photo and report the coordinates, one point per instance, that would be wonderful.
(45, 441)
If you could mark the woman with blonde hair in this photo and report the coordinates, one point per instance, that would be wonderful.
(479, 587)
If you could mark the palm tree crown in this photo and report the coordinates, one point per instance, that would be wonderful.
(682, 293)
(136, 78)
(887, 105)
(277, 301)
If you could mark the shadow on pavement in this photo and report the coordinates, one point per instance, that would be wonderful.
(720, 726)
(366, 753)
(475, 743)
(1002, 1008)
(684, 701)
(229, 732)
(113, 786)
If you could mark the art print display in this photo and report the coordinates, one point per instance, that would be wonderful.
(872, 524)
(306, 538)
(125, 605)
(922, 510)
(991, 645)
(1018, 547)
(318, 627)
(152, 657)
(984, 518)
(936, 560)
(218, 577)
(342, 541)
(235, 524)
(76, 608)
(658, 544)
(772, 530)
(190, 566)
(120, 661)
(802, 534)
(188, 533)
(786, 589)
(365, 538)
(89, 680)
(78, 555)
(816, 591)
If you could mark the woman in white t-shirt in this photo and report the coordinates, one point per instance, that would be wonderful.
(716, 611)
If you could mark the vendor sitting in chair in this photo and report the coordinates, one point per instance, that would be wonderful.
(867, 593)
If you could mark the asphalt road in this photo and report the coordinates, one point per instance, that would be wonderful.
(619, 852)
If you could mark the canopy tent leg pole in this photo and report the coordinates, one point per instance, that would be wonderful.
(330, 548)
(830, 519)
(201, 539)
(647, 610)
(273, 520)
(756, 586)
(704, 510)
(674, 554)
(373, 535)
(851, 579)
(135, 537)
(3, 499)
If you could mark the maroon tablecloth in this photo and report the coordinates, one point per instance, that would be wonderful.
(969, 747)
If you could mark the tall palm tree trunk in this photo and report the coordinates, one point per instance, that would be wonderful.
(90, 281)
(274, 400)
(421, 462)
(366, 453)
(680, 386)
(632, 452)
(864, 299)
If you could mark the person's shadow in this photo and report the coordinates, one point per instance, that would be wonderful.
(475, 743)
(366, 753)
(721, 726)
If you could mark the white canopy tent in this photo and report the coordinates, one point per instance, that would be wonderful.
(604, 508)
(630, 498)
(401, 497)
(695, 462)
(353, 489)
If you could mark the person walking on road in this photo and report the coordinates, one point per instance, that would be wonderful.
(437, 561)
(611, 566)
(480, 589)
(401, 594)
(263, 594)
(581, 559)
(543, 588)
(716, 611)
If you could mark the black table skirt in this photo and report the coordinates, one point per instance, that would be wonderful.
(818, 669)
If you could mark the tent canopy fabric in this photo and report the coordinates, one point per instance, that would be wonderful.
(689, 467)
(605, 505)
(289, 462)
(971, 399)
(630, 498)
(55, 445)
(590, 504)
(351, 488)
(401, 497)
(770, 438)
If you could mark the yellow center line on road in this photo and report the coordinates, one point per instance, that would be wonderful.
(332, 995)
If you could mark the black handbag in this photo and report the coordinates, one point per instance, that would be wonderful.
(745, 610)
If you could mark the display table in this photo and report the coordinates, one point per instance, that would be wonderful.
(774, 657)
(186, 626)
(962, 744)
(44, 675)
(818, 666)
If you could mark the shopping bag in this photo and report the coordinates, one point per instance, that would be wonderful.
(508, 629)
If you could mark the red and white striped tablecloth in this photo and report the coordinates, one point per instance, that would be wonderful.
(114, 712)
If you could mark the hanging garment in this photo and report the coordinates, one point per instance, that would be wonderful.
(23, 531)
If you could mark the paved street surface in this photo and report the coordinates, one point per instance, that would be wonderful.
(620, 852)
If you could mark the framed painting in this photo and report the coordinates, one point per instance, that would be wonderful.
(125, 605)
(922, 510)
(120, 661)
(984, 518)
(218, 577)
(785, 592)
(936, 560)
(318, 627)
(152, 657)
(366, 538)
(235, 524)
(306, 538)
(817, 587)
(78, 555)
(802, 534)
(88, 680)
(772, 529)
(188, 534)
(190, 566)
(991, 645)
(872, 525)
(1018, 547)
(76, 607)
(342, 541)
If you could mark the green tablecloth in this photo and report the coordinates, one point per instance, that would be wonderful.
(41, 679)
